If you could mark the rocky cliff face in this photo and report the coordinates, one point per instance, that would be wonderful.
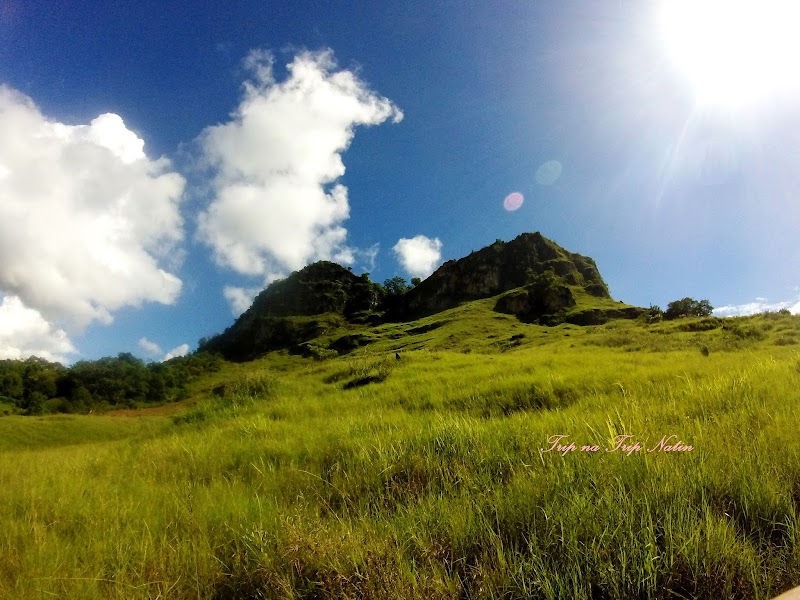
(504, 266)
(323, 287)
(283, 315)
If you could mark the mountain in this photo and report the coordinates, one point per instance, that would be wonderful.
(505, 266)
(531, 277)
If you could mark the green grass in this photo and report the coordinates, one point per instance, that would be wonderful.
(283, 479)
(25, 433)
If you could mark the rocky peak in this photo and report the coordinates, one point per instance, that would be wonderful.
(290, 311)
(501, 267)
(322, 287)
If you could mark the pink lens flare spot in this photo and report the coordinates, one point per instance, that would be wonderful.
(513, 201)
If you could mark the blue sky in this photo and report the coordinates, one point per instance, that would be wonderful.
(161, 162)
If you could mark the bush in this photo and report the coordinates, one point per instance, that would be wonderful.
(744, 333)
(316, 352)
(701, 325)
(56, 405)
(776, 314)
(786, 340)
(653, 314)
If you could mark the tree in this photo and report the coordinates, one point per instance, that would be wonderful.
(396, 286)
(704, 308)
(39, 377)
(39, 381)
(415, 281)
(11, 380)
(688, 307)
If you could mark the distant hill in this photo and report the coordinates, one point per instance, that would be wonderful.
(532, 277)
(504, 266)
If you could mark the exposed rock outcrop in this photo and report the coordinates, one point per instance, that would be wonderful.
(283, 315)
(504, 266)
(322, 287)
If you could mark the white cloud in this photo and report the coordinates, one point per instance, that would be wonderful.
(154, 349)
(368, 257)
(24, 332)
(240, 299)
(181, 350)
(85, 216)
(419, 255)
(277, 206)
(151, 348)
(752, 308)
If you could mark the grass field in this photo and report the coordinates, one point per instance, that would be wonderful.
(364, 476)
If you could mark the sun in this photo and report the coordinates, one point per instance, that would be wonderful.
(734, 53)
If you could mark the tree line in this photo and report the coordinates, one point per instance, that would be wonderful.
(36, 386)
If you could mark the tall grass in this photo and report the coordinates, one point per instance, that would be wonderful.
(427, 481)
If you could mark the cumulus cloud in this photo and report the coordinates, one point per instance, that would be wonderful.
(239, 298)
(751, 308)
(181, 350)
(419, 255)
(24, 332)
(276, 205)
(150, 347)
(85, 217)
(153, 349)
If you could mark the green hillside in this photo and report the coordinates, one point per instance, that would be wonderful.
(355, 474)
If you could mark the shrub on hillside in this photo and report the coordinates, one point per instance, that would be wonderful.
(653, 314)
(746, 332)
(702, 325)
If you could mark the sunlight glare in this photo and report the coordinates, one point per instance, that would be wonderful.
(734, 52)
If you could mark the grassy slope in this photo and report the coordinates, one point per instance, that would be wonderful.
(364, 476)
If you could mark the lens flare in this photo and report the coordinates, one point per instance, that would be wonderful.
(548, 172)
(513, 201)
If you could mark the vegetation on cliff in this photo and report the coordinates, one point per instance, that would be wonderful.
(501, 267)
